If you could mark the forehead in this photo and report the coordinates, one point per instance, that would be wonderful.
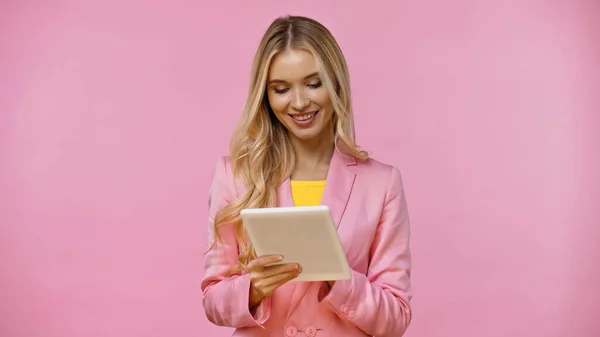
(291, 65)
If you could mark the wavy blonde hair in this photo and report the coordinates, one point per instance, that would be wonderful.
(261, 152)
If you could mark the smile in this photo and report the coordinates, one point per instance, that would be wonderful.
(304, 119)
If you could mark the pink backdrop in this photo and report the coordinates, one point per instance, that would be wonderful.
(112, 115)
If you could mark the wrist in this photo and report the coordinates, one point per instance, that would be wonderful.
(254, 299)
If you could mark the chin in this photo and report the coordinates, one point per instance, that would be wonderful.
(305, 134)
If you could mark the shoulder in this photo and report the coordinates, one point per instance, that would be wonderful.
(222, 169)
(224, 178)
(373, 167)
(376, 172)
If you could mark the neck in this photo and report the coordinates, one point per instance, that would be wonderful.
(314, 153)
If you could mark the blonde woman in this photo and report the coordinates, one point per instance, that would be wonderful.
(294, 145)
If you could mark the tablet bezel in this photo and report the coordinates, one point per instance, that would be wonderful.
(253, 220)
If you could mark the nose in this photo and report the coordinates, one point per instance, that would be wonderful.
(300, 102)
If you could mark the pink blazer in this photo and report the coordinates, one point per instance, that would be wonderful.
(369, 208)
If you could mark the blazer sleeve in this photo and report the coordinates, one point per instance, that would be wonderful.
(378, 303)
(225, 297)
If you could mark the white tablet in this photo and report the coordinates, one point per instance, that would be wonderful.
(304, 235)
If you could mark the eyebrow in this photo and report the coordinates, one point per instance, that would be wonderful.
(306, 77)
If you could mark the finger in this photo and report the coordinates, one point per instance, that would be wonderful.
(260, 262)
(271, 284)
(258, 276)
(262, 279)
(279, 269)
(279, 279)
(268, 259)
(254, 266)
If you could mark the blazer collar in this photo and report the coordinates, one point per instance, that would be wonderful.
(340, 180)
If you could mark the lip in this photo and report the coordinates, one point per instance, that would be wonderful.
(304, 123)
(303, 113)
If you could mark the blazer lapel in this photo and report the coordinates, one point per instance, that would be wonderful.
(340, 180)
(284, 194)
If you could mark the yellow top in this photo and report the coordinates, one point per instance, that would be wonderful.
(307, 193)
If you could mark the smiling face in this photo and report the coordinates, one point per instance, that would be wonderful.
(298, 98)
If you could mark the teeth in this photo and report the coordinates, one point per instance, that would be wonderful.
(304, 117)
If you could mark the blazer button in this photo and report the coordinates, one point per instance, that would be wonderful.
(343, 309)
(311, 331)
(291, 331)
(351, 313)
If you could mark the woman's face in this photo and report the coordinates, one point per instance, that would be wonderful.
(297, 96)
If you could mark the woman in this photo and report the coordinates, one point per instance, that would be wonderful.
(295, 145)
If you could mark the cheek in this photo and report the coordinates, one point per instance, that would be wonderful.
(321, 98)
(278, 103)
(325, 105)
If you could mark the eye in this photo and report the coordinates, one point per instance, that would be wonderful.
(315, 85)
(280, 90)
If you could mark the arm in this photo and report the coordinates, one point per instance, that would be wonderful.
(226, 298)
(378, 302)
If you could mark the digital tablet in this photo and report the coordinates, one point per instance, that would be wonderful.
(305, 235)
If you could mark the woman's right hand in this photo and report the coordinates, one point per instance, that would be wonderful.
(265, 279)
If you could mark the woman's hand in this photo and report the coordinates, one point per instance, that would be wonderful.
(265, 279)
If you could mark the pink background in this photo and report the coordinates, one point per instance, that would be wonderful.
(112, 115)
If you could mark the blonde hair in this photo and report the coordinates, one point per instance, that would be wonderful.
(261, 152)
